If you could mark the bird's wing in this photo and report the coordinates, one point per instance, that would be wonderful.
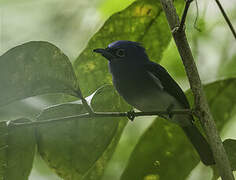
(157, 72)
(156, 80)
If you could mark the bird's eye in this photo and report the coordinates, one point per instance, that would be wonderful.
(120, 53)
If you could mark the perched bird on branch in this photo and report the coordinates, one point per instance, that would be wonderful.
(147, 86)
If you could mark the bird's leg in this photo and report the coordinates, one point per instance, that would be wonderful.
(169, 110)
(181, 26)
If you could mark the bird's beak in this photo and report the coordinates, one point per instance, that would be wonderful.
(105, 53)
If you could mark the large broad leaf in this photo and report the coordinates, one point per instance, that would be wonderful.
(17, 148)
(171, 60)
(163, 152)
(227, 68)
(221, 98)
(230, 148)
(160, 154)
(97, 171)
(143, 21)
(80, 148)
(35, 68)
(19, 109)
(31, 107)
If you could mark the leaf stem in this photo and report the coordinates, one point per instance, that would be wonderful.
(84, 101)
(202, 108)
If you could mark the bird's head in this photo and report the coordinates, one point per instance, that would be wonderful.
(124, 51)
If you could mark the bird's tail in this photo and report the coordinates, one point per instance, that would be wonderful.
(200, 144)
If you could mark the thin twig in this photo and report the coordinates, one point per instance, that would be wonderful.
(184, 15)
(226, 18)
(200, 100)
(196, 19)
(100, 115)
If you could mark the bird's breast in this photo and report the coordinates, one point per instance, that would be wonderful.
(139, 90)
(144, 92)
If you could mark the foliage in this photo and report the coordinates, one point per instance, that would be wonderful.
(88, 142)
(17, 150)
(82, 148)
(32, 69)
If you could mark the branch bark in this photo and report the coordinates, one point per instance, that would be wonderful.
(201, 105)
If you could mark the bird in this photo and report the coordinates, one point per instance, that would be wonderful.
(147, 86)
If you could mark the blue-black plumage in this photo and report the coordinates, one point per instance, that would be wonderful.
(147, 86)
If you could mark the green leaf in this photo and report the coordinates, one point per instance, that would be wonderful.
(17, 148)
(143, 21)
(172, 62)
(160, 153)
(35, 68)
(221, 98)
(97, 171)
(163, 148)
(80, 148)
(108, 7)
(227, 68)
(230, 148)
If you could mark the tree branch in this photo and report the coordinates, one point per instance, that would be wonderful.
(226, 18)
(131, 115)
(201, 104)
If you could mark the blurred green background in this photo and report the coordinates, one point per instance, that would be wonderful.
(69, 24)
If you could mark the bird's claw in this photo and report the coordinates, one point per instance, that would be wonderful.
(131, 115)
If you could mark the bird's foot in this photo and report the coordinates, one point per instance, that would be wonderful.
(131, 115)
